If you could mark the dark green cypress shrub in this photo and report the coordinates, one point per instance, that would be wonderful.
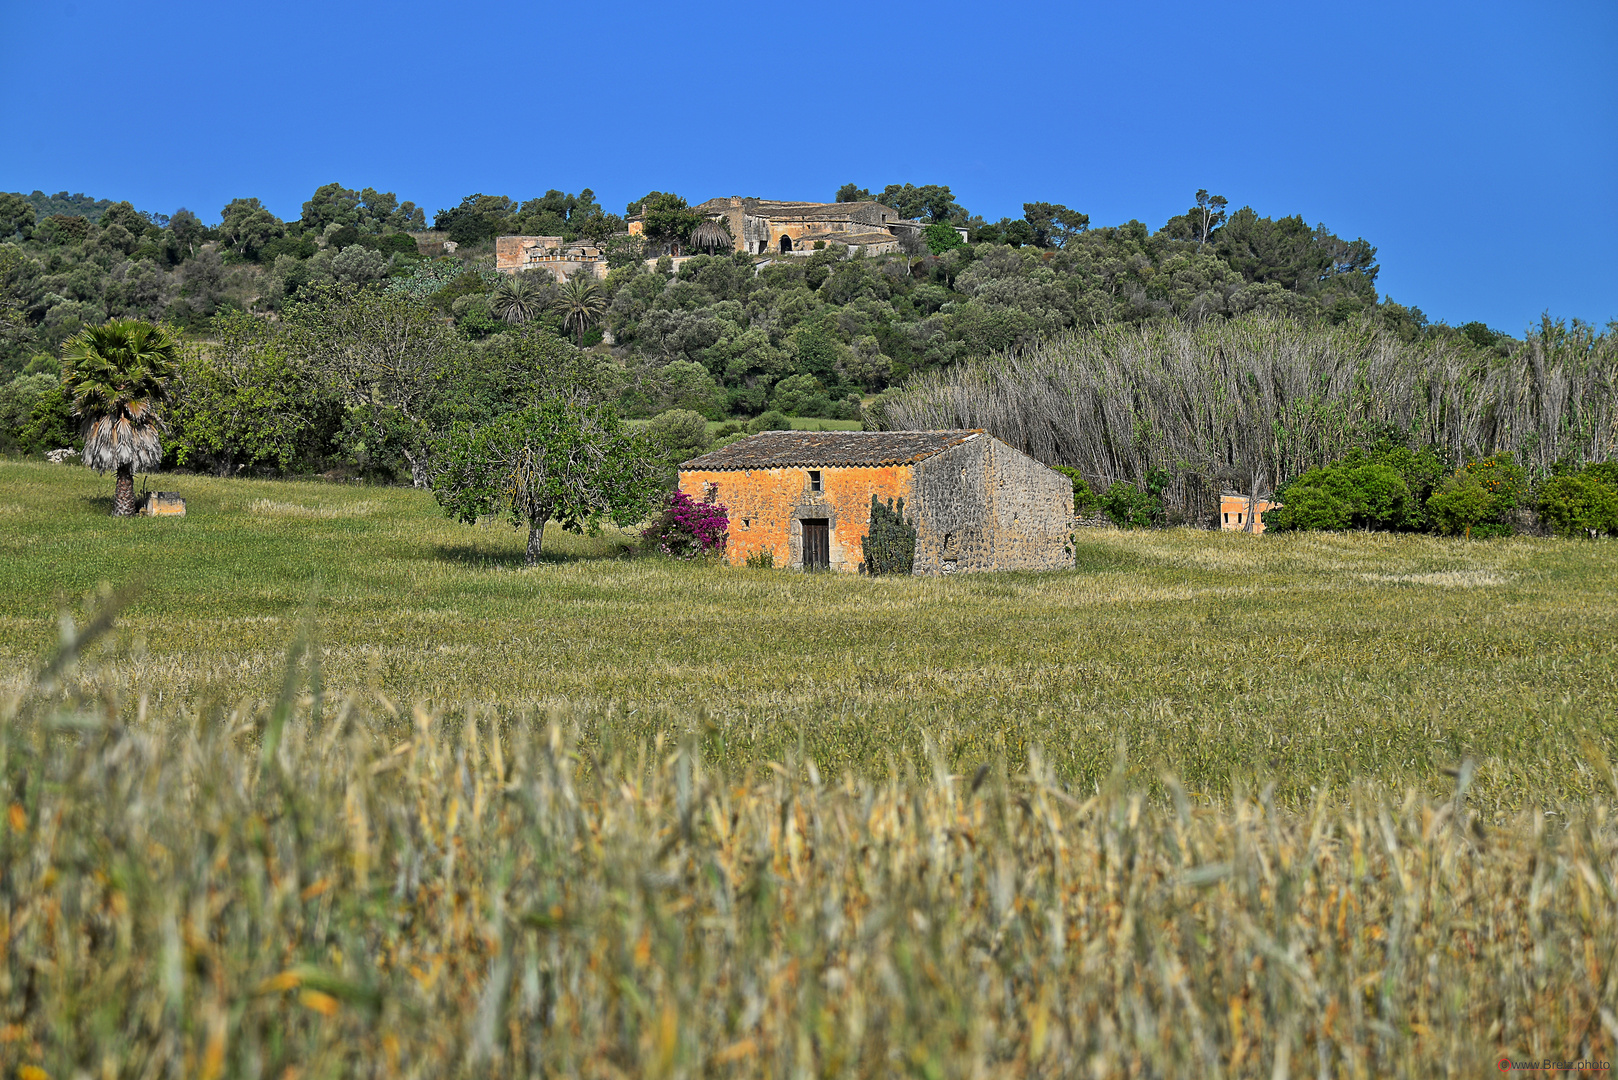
(890, 542)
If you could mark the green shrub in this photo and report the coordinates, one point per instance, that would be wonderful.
(17, 401)
(773, 420)
(942, 237)
(801, 395)
(1479, 498)
(1085, 500)
(1460, 504)
(1573, 504)
(1606, 472)
(1421, 469)
(1130, 507)
(889, 544)
(1345, 496)
(398, 244)
(50, 424)
(680, 433)
(764, 559)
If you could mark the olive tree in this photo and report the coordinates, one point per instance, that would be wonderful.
(567, 462)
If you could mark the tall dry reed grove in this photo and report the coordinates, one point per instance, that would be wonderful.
(1265, 399)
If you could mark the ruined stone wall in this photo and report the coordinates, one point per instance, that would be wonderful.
(562, 269)
(950, 508)
(517, 253)
(754, 236)
(766, 507)
(511, 252)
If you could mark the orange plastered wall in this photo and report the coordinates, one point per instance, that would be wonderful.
(1232, 507)
(763, 503)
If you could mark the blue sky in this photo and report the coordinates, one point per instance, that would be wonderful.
(1475, 144)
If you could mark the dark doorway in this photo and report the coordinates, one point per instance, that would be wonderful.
(816, 544)
(786, 243)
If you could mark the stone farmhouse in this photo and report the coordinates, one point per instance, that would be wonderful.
(805, 497)
(773, 227)
(550, 253)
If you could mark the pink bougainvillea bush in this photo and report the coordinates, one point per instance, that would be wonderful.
(688, 529)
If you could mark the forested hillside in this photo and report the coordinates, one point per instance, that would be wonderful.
(726, 336)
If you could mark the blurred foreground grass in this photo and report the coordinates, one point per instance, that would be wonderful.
(320, 890)
(1181, 811)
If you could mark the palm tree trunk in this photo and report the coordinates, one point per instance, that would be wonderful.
(536, 537)
(123, 496)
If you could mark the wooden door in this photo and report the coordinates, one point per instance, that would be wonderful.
(816, 544)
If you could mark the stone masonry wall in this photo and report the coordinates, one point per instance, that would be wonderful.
(765, 507)
(951, 509)
(985, 506)
(1033, 510)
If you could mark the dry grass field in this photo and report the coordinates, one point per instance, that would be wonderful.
(344, 791)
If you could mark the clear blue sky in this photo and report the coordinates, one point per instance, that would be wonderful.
(1475, 144)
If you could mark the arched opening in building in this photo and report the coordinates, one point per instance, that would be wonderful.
(786, 243)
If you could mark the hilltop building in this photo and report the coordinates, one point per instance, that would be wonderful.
(805, 497)
(549, 253)
(769, 226)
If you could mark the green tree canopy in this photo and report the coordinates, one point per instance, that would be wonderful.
(554, 461)
(383, 352)
(239, 400)
(246, 227)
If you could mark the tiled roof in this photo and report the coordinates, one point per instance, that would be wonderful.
(771, 449)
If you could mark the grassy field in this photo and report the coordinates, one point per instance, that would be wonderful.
(1305, 660)
(1204, 805)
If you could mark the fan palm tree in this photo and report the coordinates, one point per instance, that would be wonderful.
(116, 376)
(520, 298)
(581, 304)
(711, 235)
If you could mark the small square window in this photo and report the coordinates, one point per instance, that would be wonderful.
(814, 480)
(747, 523)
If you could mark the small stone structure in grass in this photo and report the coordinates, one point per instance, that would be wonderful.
(162, 504)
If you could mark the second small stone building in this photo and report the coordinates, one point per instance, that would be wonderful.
(805, 497)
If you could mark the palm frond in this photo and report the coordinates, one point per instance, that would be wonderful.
(520, 298)
(117, 375)
(710, 234)
(581, 303)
